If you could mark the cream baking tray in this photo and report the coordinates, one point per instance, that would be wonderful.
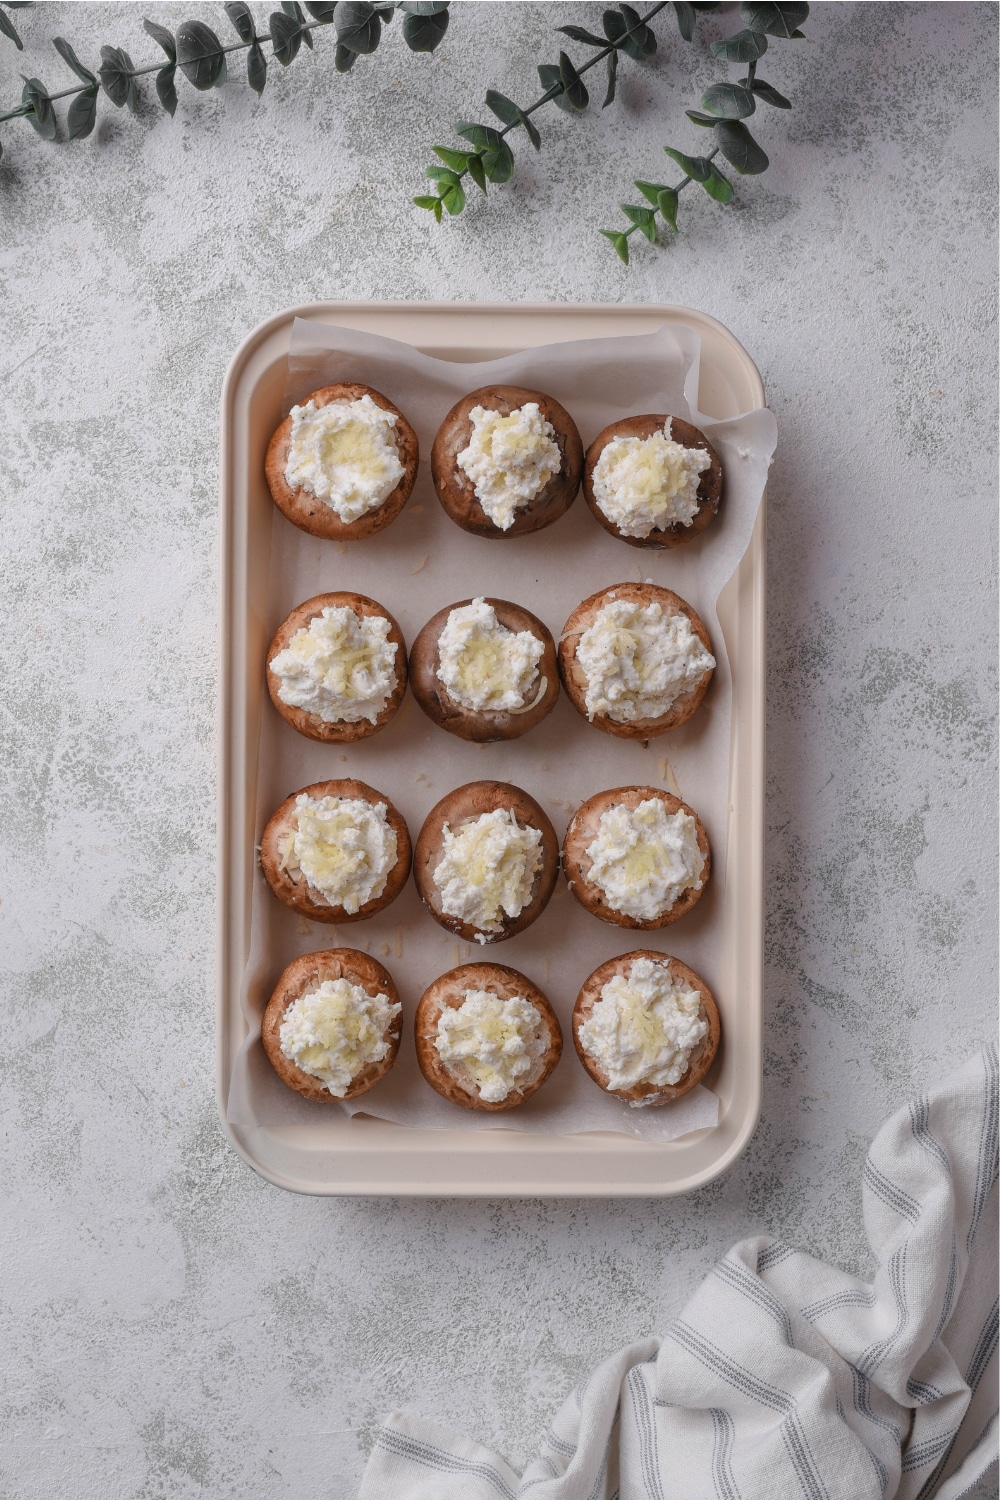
(333, 1154)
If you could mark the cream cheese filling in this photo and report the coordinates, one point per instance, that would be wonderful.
(639, 659)
(336, 1030)
(643, 859)
(487, 870)
(644, 1028)
(484, 666)
(344, 453)
(647, 484)
(340, 668)
(345, 848)
(509, 459)
(490, 1045)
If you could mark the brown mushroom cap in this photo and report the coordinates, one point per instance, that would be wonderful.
(455, 489)
(337, 731)
(583, 830)
(486, 725)
(299, 894)
(464, 805)
(448, 992)
(574, 679)
(709, 487)
(308, 973)
(703, 1055)
(310, 513)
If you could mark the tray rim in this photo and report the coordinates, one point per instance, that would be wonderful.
(491, 1143)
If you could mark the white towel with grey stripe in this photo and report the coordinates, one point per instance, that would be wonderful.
(785, 1377)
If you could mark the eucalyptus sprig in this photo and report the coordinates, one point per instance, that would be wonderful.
(488, 157)
(724, 107)
(201, 56)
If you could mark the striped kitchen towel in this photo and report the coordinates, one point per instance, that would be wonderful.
(784, 1377)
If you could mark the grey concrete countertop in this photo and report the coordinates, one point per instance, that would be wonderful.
(172, 1325)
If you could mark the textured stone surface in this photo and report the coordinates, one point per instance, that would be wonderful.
(172, 1325)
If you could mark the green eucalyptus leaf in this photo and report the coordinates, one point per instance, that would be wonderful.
(550, 78)
(696, 116)
(479, 135)
(9, 30)
(620, 242)
(256, 68)
(458, 161)
(739, 148)
(70, 58)
(745, 46)
(166, 88)
(423, 7)
(454, 199)
(579, 34)
(321, 10)
(496, 155)
(286, 37)
(438, 209)
(573, 85)
(511, 114)
(477, 171)
(776, 20)
(117, 77)
(200, 56)
(426, 200)
(685, 20)
(239, 13)
(609, 97)
(696, 167)
(295, 11)
(505, 109)
(42, 117)
(644, 219)
(423, 33)
(640, 42)
(770, 95)
(719, 187)
(441, 174)
(666, 202)
(730, 100)
(82, 114)
(164, 37)
(651, 191)
(614, 29)
(358, 26)
(344, 59)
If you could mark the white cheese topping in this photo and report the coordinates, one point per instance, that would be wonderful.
(638, 660)
(644, 858)
(487, 869)
(344, 846)
(492, 1046)
(644, 1028)
(345, 454)
(647, 484)
(483, 664)
(341, 669)
(510, 460)
(334, 1031)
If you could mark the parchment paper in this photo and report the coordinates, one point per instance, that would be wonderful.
(423, 562)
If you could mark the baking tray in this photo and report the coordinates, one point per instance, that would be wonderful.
(361, 1155)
